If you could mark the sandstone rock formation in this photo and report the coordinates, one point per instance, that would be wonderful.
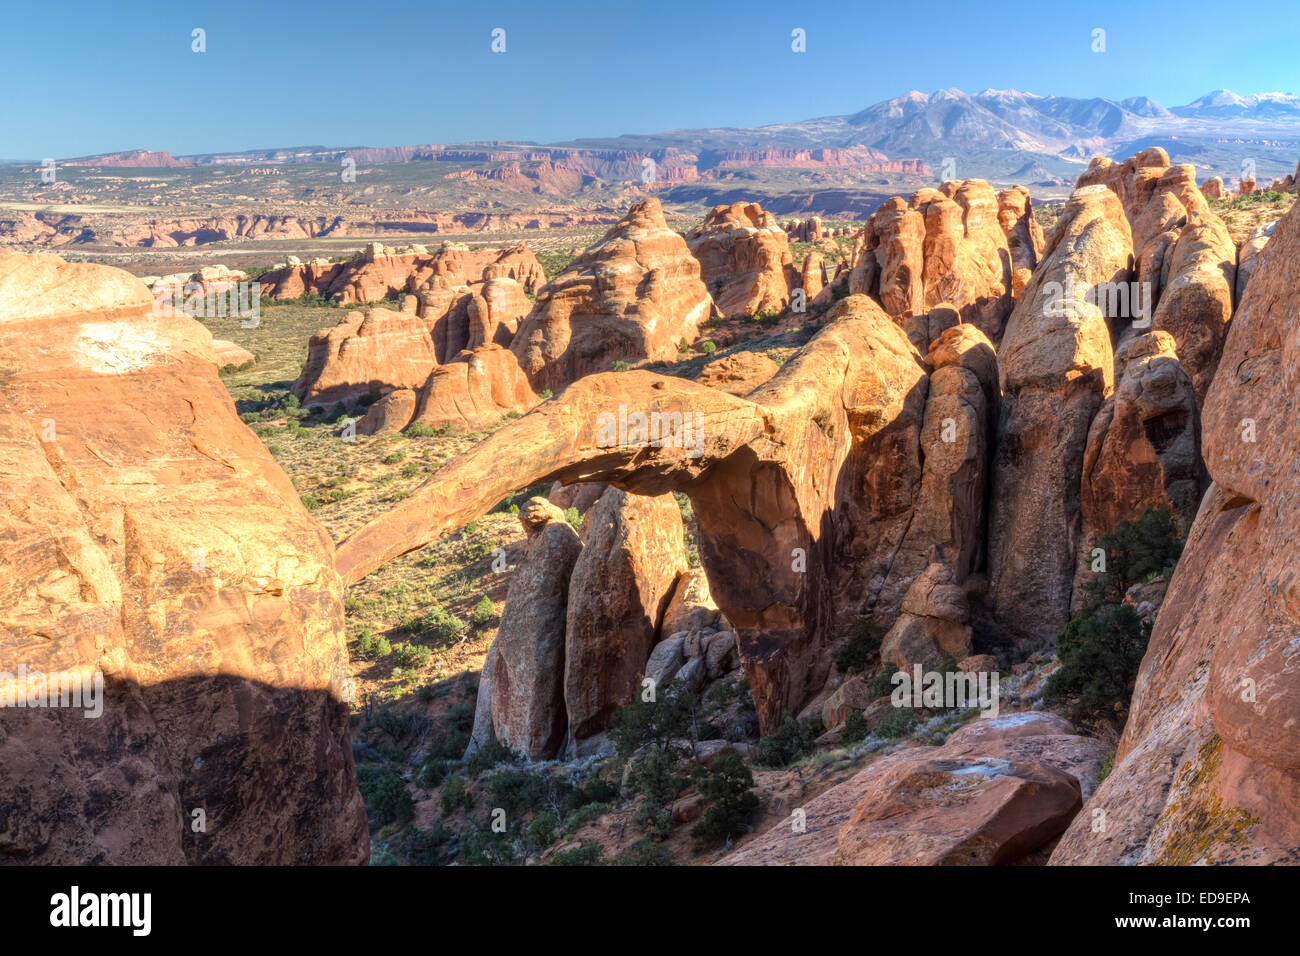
(934, 625)
(1143, 447)
(374, 351)
(620, 588)
(379, 273)
(738, 373)
(1056, 368)
(834, 432)
(1207, 768)
(228, 354)
(1024, 235)
(1248, 256)
(744, 260)
(1198, 277)
(150, 537)
(939, 246)
(633, 296)
(998, 790)
(1212, 188)
(475, 390)
(528, 655)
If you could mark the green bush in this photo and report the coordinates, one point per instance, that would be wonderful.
(900, 723)
(855, 728)
(1100, 651)
(544, 829)
(1135, 551)
(518, 792)
(413, 655)
(432, 772)
(618, 365)
(645, 852)
(572, 517)
(488, 756)
(862, 644)
(423, 847)
(882, 684)
(456, 795)
(480, 846)
(387, 799)
(395, 457)
(485, 612)
(589, 854)
(730, 802)
(787, 743)
(708, 348)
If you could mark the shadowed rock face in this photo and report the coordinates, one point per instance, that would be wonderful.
(1208, 768)
(149, 535)
(803, 491)
(1056, 368)
(632, 296)
(1143, 447)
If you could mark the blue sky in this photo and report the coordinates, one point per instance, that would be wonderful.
(88, 77)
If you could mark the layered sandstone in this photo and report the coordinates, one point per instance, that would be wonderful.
(633, 296)
(151, 537)
(744, 260)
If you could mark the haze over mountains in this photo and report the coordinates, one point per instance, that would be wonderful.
(993, 133)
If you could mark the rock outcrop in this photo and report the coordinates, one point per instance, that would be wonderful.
(1208, 767)
(744, 258)
(1024, 235)
(151, 539)
(1000, 789)
(1056, 368)
(374, 351)
(528, 655)
(802, 491)
(940, 246)
(620, 589)
(633, 296)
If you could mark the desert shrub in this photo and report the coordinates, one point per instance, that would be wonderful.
(708, 348)
(480, 846)
(420, 430)
(544, 829)
(517, 791)
(645, 852)
(455, 795)
(900, 723)
(572, 517)
(488, 756)
(618, 365)
(545, 395)
(730, 802)
(387, 799)
(309, 502)
(423, 847)
(862, 644)
(485, 612)
(394, 457)
(787, 743)
(882, 684)
(1100, 650)
(855, 728)
(438, 623)
(595, 790)
(432, 772)
(413, 655)
(589, 854)
(1134, 552)
(580, 817)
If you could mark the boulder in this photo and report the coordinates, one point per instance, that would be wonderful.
(473, 391)
(1248, 256)
(229, 354)
(691, 607)
(391, 413)
(934, 625)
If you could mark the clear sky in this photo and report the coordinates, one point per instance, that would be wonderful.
(87, 77)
